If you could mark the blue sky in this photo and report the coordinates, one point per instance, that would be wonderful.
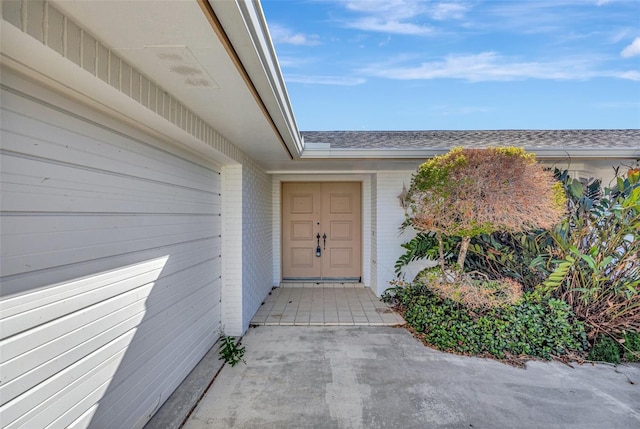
(459, 65)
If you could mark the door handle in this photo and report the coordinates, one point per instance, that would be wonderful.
(324, 239)
(318, 252)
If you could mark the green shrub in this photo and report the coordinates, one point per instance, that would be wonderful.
(632, 346)
(534, 326)
(606, 349)
(595, 265)
(510, 255)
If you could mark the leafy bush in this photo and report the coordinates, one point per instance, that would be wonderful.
(534, 326)
(425, 245)
(510, 255)
(467, 192)
(594, 261)
(605, 350)
(589, 261)
(631, 346)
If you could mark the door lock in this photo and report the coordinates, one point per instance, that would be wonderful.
(324, 239)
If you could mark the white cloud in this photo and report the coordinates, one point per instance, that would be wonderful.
(633, 50)
(284, 35)
(602, 2)
(621, 34)
(324, 80)
(389, 26)
(442, 11)
(401, 16)
(490, 66)
(390, 9)
(630, 75)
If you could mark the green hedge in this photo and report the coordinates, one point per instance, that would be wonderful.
(535, 326)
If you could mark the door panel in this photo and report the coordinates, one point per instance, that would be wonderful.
(341, 222)
(301, 214)
(310, 209)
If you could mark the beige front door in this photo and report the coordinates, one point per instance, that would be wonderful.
(327, 215)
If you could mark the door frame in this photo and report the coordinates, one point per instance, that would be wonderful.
(367, 264)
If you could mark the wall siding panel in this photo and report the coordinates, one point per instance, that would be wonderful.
(111, 264)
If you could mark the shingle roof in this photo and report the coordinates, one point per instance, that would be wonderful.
(557, 139)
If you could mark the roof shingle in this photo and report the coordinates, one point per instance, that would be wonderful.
(548, 139)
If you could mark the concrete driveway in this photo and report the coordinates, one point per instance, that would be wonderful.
(382, 377)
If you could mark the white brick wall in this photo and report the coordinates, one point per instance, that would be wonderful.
(389, 217)
(366, 231)
(232, 192)
(276, 213)
(256, 240)
(247, 244)
(373, 282)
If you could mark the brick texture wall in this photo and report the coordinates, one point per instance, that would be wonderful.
(256, 240)
(232, 191)
(247, 243)
(389, 217)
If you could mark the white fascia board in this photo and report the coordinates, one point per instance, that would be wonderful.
(614, 153)
(270, 82)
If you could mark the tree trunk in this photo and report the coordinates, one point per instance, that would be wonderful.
(464, 246)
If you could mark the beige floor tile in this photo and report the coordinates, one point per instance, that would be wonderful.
(307, 303)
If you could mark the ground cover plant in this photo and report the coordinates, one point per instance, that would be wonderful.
(588, 260)
(533, 326)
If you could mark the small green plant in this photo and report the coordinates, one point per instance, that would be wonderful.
(605, 350)
(632, 346)
(230, 351)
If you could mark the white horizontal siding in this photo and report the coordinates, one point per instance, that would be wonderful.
(111, 272)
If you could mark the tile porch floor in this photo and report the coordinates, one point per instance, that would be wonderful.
(325, 304)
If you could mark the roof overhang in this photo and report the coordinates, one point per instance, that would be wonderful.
(215, 58)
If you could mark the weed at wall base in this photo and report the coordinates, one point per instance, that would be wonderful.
(230, 351)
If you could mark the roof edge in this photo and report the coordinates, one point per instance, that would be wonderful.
(269, 82)
(541, 153)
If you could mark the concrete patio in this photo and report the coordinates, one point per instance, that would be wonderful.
(382, 377)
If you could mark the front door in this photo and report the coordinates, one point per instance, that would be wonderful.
(321, 231)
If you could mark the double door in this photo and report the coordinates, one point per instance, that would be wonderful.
(321, 231)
